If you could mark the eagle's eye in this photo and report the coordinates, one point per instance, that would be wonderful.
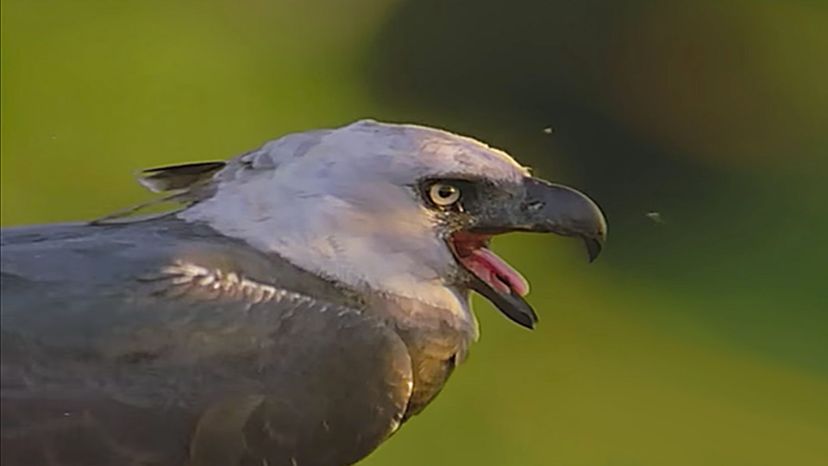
(444, 194)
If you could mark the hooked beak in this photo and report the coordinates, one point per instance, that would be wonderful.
(554, 208)
(544, 208)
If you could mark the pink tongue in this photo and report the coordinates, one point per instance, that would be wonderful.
(496, 272)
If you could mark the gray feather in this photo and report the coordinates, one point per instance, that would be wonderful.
(128, 345)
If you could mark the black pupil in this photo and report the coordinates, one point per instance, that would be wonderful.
(445, 191)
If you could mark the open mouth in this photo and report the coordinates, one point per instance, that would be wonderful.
(472, 251)
(493, 277)
(543, 208)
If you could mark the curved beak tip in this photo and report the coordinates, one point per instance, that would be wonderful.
(593, 247)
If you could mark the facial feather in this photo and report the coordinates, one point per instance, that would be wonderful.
(343, 204)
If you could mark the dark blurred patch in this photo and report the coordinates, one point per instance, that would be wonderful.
(708, 80)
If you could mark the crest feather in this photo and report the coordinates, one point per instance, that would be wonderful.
(177, 177)
(180, 182)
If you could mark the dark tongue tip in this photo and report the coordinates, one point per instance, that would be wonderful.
(510, 304)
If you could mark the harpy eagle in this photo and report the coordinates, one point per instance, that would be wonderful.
(309, 297)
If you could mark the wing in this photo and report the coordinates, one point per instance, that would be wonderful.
(178, 357)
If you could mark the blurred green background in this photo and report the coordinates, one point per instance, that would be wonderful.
(700, 337)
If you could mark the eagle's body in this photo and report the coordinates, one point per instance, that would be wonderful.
(204, 337)
(148, 352)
